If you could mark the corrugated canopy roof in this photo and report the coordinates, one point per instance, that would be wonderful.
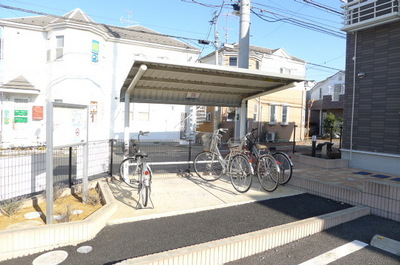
(200, 84)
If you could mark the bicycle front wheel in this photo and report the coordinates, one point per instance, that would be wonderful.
(144, 194)
(240, 173)
(129, 172)
(268, 172)
(208, 166)
(285, 167)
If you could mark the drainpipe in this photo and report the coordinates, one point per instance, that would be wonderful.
(243, 118)
(135, 80)
(354, 93)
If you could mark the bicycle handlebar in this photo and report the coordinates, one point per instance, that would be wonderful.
(143, 133)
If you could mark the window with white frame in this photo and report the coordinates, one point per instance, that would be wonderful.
(233, 61)
(337, 91)
(286, 71)
(272, 114)
(208, 117)
(59, 47)
(285, 115)
(255, 113)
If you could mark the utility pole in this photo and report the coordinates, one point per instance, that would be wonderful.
(244, 51)
(216, 36)
(244, 37)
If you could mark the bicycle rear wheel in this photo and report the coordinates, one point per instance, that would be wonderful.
(129, 172)
(208, 166)
(285, 167)
(240, 173)
(268, 172)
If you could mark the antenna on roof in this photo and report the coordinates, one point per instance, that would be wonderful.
(128, 20)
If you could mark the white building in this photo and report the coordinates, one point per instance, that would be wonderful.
(72, 59)
(333, 86)
(324, 98)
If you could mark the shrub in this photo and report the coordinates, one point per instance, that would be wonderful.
(10, 207)
(66, 215)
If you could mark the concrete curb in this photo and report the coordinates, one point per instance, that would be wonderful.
(21, 242)
(234, 248)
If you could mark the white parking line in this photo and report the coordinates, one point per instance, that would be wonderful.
(336, 253)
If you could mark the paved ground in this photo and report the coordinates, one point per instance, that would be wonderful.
(134, 239)
(173, 195)
(362, 229)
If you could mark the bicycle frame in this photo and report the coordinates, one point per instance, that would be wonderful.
(215, 150)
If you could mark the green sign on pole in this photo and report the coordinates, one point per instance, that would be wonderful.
(21, 119)
(21, 112)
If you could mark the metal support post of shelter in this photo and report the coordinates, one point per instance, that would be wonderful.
(66, 126)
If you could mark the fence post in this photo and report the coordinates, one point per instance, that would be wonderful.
(190, 155)
(314, 142)
(70, 167)
(294, 138)
(111, 157)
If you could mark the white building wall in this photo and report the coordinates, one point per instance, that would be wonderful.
(76, 79)
(281, 62)
(326, 87)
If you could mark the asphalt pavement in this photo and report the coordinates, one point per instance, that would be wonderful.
(362, 229)
(134, 239)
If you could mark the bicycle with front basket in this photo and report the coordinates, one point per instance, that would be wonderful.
(210, 164)
(136, 173)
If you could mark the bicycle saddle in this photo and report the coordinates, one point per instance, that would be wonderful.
(261, 146)
(141, 155)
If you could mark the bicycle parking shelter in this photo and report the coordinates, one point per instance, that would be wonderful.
(198, 84)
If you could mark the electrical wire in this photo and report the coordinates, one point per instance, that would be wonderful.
(96, 24)
(297, 22)
(322, 7)
(294, 13)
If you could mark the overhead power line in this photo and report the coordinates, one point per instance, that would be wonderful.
(297, 22)
(323, 7)
(100, 24)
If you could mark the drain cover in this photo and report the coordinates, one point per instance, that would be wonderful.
(51, 258)
(32, 215)
(84, 249)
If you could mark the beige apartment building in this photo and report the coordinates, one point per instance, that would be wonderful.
(279, 116)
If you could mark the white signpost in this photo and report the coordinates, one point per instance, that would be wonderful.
(66, 125)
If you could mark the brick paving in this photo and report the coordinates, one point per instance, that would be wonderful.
(348, 177)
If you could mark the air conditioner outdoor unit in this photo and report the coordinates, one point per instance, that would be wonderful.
(271, 137)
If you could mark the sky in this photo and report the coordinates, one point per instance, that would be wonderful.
(306, 29)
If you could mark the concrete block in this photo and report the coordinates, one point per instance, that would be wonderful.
(386, 244)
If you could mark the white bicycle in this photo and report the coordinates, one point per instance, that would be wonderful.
(136, 173)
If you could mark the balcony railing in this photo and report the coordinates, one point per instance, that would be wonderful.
(362, 14)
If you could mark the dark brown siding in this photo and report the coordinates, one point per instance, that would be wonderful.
(376, 125)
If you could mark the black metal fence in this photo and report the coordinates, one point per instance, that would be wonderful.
(23, 170)
(165, 156)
